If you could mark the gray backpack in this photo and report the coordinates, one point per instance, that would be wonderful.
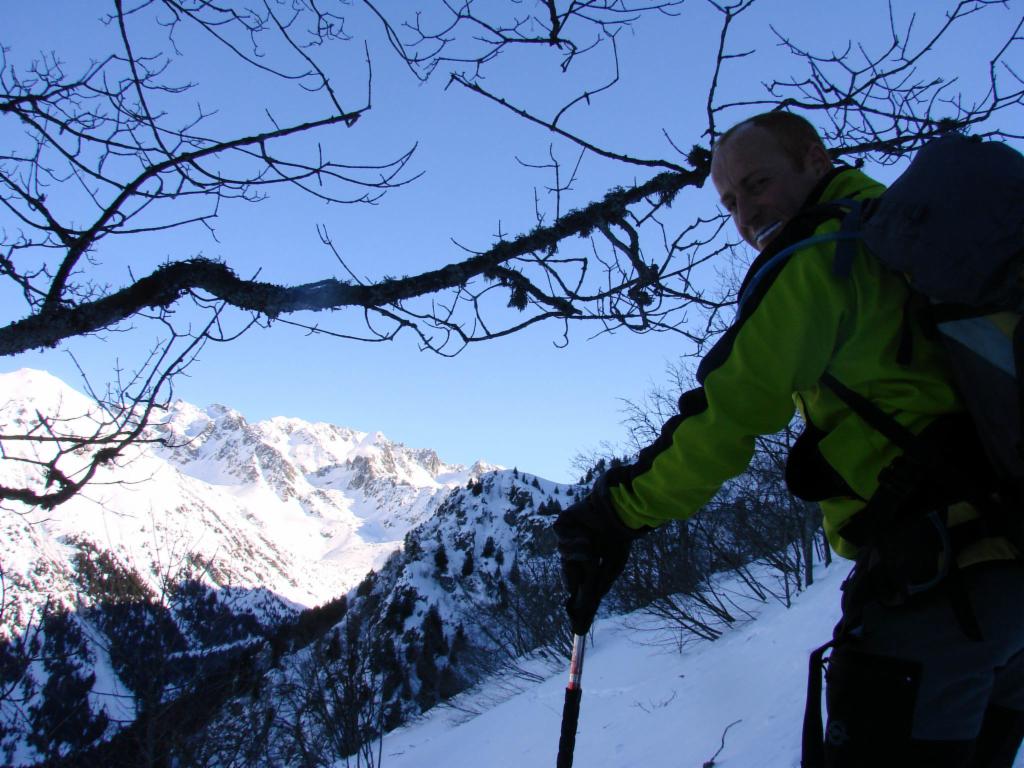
(953, 224)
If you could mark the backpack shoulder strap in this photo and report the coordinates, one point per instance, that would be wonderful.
(848, 211)
(852, 214)
(769, 266)
(875, 417)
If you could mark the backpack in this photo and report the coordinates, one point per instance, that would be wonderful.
(953, 224)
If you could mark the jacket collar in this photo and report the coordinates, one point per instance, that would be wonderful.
(843, 182)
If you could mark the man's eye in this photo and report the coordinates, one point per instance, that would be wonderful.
(758, 184)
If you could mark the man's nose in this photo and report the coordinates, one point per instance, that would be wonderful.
(745, 212)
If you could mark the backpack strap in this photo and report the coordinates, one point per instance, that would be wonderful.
(812, 753)
(875, 416)
(852, 214)
(769, 266)
(1018, 357)
(920, 465)
(848, 211)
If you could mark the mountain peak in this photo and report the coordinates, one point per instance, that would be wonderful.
(44, 391)
(305, 508)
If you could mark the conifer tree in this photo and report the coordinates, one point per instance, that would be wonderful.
(488, 550)
(62, 721)
(441, 559)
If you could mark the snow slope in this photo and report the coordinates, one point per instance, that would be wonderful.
(644, 704)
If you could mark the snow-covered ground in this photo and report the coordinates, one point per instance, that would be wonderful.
(647, 705)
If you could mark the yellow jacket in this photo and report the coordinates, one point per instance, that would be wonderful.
(799, 322)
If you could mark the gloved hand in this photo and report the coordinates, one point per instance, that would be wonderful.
(594, 544)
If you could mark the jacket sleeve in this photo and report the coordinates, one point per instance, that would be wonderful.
(781, 342)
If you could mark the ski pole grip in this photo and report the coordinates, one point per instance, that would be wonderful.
(570, 717)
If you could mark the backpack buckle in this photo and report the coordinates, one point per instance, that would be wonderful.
(945, 557)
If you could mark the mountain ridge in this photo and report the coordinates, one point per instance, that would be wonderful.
(304, 509)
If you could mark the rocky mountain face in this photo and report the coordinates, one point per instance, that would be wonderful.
(475, 591)
(299, 509)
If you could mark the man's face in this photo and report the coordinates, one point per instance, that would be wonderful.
(760, 185)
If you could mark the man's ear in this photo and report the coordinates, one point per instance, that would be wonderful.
(818, 160)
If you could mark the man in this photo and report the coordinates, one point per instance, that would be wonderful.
(928, 668)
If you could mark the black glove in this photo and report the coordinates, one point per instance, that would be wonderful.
(594, 544)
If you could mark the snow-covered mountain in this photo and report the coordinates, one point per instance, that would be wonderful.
(291, 508)
(187, 564)
(475, 590)
(192, 555)
(434, 584)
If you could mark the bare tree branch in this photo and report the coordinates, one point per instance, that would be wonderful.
(117, 148)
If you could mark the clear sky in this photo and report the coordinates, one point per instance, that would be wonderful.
(519, 401)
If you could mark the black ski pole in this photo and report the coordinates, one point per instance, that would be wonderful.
(571, 708)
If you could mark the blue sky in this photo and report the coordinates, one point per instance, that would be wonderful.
(520, 401)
